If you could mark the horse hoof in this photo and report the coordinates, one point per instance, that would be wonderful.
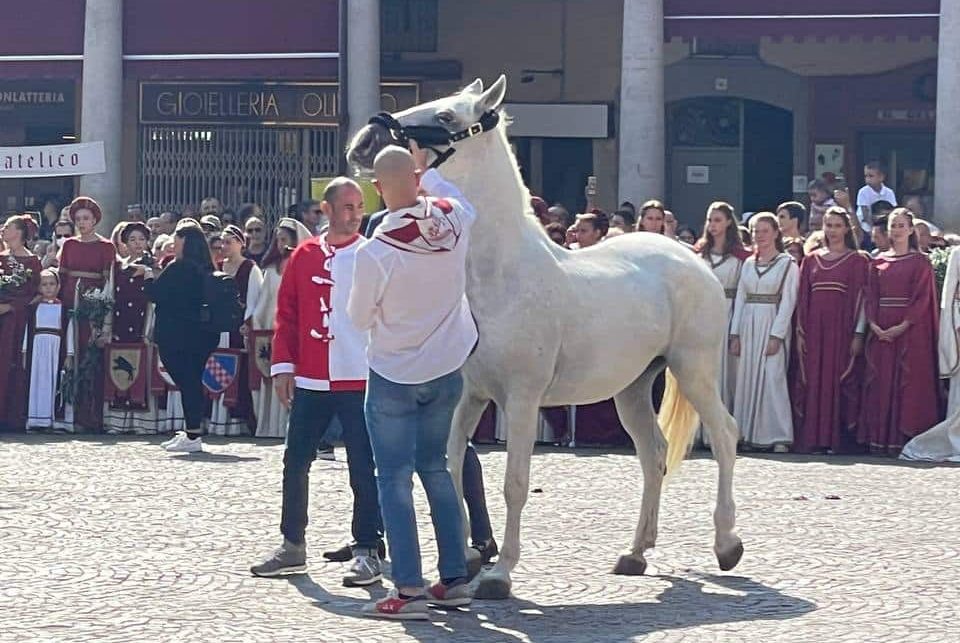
(729, 560)
(492, 588)
(630, 565)
(474, 563)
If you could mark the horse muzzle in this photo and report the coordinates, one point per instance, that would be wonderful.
(365, 146)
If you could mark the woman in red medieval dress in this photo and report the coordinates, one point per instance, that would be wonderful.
(19, 280)
(901, 394)
(829, 340)
(86, 262)
(131, 410)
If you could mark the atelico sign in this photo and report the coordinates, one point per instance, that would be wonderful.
(51, 160)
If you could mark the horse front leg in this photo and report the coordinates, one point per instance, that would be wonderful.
(521, 424)
(465, 419)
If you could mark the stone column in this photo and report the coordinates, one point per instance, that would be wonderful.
(101, 115)
(363, 61)
(641, 111)
(947, 171)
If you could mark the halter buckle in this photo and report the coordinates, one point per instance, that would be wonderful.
(474, 130)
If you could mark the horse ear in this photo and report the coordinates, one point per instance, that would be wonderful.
(476, 87)
(492, 98)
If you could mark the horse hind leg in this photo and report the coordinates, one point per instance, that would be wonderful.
(698, 380)
(635, 408)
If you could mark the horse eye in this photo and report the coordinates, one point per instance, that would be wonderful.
(445, 118)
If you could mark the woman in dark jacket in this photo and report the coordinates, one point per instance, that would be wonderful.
(184, 346)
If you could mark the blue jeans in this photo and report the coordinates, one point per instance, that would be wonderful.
(309, 418)
(409, 425)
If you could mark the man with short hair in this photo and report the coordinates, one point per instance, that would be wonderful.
(556, 213)
(211, 205)
(311, 215)
(410, 293)
(320, 372)
(168, 223)
(792, 216)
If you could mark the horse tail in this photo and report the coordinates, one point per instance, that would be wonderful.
(679, 421)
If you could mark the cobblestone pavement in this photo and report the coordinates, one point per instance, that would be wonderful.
(109, 539)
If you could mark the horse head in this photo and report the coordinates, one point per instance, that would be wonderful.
(439, 125)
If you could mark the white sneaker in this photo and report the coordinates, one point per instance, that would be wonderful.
(176, 438)
(186, 445)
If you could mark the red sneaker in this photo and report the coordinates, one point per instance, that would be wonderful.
(392, 606)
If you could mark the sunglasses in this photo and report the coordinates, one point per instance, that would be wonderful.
(254, 230)
(63, 236)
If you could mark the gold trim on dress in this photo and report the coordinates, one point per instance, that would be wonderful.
(894, 302)
(760, 298)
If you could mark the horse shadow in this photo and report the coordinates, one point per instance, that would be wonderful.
(686, 602)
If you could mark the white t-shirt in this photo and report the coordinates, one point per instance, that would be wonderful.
(415, 304)
(867, 196)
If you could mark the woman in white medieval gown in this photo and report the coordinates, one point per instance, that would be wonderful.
(760, 337)
(722, 250)
(942, 442)
(272, 416)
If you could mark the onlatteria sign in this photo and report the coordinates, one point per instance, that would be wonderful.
(52, 160)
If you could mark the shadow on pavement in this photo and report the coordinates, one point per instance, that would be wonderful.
(688, 602)
(207, 456)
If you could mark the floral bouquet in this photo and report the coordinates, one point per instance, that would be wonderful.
(95, 306)
(939, 259)
(13, 275)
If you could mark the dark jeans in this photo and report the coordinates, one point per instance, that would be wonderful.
(480, 530)
(309, 419)
(185, 362)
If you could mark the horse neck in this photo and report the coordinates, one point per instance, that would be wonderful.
(503, 234)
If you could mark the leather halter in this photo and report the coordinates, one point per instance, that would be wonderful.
(431, 136)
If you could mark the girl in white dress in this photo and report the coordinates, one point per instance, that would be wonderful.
(240, 420)
(41, 345)
(942, 442)
(271, 414)
(760, 332)
(722, 250)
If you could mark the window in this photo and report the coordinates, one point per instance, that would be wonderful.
(408, 25)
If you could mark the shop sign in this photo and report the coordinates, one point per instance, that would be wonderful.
(37, 99)
(51, 160)
(907, 115)
(304, 104)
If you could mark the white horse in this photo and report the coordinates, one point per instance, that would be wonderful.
(542, 313)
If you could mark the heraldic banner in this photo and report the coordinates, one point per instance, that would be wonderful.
(160, 381)
(125, 379)
(221, 374)
(261, 349)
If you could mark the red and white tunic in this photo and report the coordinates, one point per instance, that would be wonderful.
(313, 337)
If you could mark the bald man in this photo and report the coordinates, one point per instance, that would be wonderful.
(409, 292)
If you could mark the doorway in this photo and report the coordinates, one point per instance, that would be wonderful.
(727, 149)
(567, 162)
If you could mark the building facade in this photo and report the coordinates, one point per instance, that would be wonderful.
(685, 100)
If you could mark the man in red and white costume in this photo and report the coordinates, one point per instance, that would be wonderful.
(320, 368)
